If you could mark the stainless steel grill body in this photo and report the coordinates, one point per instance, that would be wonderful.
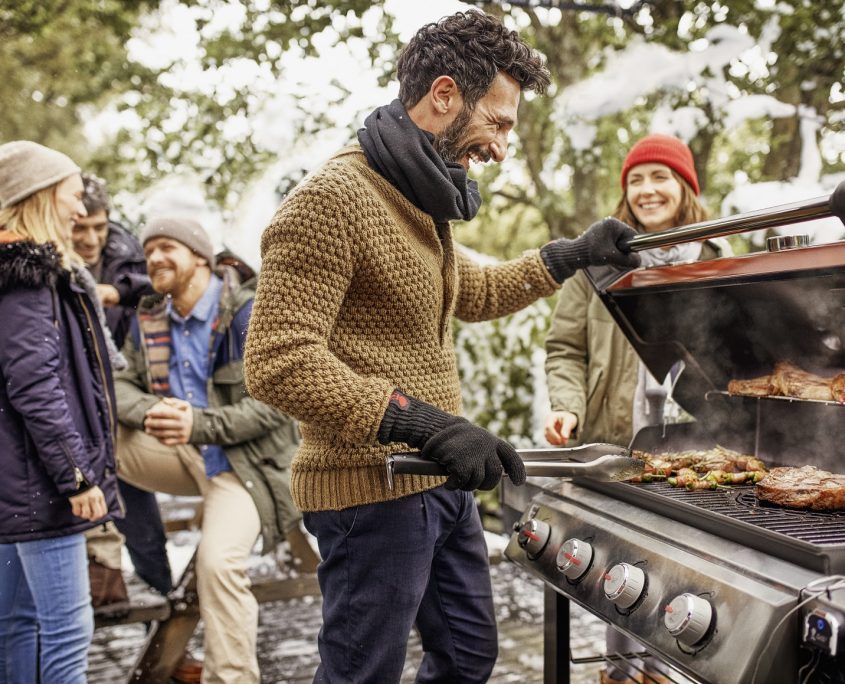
(749, 590)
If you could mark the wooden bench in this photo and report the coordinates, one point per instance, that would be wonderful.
(174, 618)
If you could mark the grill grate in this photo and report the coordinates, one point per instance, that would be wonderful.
(812, 539)
(740, 503)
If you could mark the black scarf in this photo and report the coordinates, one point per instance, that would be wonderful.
(405, 156)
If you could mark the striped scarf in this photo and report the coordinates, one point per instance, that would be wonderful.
(154, 324)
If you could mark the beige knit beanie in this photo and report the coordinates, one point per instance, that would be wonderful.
(27, 167)
(184, 230)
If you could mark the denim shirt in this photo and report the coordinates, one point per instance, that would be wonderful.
(190, 361)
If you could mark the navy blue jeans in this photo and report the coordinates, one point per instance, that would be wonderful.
(145, 537)
(419, 560)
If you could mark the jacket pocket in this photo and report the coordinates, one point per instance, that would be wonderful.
(228, 382)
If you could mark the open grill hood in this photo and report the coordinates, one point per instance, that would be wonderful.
(734, 318)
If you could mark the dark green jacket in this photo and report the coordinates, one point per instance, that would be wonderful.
(258, 440)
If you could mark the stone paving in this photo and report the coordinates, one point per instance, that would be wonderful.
(287, 650)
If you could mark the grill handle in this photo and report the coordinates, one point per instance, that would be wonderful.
(795, 212)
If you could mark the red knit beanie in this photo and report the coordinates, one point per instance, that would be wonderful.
(663, 149)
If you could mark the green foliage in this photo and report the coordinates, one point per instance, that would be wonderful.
(500, 362)
(55, 57)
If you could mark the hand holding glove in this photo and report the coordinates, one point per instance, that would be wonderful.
(600, 244)
(473, 457)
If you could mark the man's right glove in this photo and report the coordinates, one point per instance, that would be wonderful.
(473, 457)
(600, 244)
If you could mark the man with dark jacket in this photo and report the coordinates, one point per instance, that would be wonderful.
(188, 427)
(115, 259)
(113, 256)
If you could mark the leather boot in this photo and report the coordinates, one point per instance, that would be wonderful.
(108, 590)
(303, 558)
(188, 671)
(605, 679)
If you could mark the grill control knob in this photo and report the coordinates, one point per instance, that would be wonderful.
(624, 584)
(574, 558)
(688, 618)
(533, 535)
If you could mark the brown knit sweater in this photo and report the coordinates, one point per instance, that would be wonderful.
(355, 297)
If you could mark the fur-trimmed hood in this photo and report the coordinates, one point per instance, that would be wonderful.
(24, 263)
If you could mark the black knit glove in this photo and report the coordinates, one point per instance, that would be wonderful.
(473, 457)
(600, 244)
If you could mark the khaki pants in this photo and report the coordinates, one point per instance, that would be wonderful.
(230, 527)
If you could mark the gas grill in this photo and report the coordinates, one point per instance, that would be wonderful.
(725, 588)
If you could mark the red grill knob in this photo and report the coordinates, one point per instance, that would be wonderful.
(574, 558)
(624, 584)
(688, 618)
(533, 535)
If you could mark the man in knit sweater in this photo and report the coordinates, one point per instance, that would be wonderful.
(351, 334)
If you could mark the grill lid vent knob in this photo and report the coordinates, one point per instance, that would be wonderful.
(688, 618)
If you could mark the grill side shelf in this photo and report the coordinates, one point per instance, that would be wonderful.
(780, 532)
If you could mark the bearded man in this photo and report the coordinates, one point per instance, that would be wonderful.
(351, 334)
(188, 428)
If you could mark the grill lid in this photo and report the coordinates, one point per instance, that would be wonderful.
(734, 318)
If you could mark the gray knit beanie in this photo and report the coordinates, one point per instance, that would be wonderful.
(184, 230)
(27, 167)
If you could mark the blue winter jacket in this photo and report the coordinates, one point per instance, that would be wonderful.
(57, 406)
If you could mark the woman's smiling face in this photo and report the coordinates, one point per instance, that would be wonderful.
(654, 195)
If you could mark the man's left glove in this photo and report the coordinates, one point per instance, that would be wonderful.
(473, 457)
(600, 244)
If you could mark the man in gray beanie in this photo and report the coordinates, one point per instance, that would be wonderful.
(188, 427)
(184, 230)
(27, 167)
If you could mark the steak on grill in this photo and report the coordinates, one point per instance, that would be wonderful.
(804, 487)
(787, 380)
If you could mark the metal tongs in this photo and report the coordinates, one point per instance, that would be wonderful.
(606, 462)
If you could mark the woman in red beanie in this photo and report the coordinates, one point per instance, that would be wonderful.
(596, 383)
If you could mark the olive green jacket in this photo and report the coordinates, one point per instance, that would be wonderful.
(258, 440)
(591, 368)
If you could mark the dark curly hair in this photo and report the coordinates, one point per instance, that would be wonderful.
(95, 196)
(470, 47)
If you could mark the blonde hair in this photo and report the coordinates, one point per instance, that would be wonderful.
(689, 208)
(35, 218)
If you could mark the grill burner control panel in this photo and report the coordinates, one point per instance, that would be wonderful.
(707, 610)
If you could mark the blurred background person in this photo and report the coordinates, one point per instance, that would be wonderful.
(116, 261)
(57, 420)
(598, 388)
